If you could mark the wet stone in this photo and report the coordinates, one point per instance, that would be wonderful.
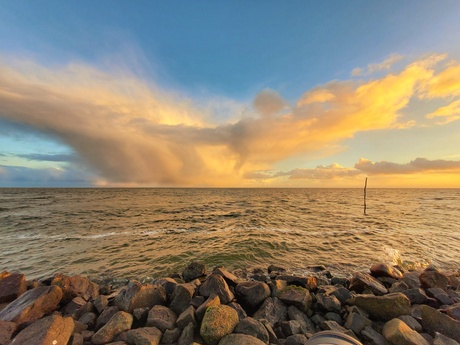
(432, 279)
(12, 286)
(216, 285)
(193, 271)
(360, 282)
(384, 270)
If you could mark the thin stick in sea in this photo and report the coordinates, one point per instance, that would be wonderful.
(365, 206)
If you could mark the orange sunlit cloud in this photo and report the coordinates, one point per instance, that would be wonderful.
(133, 133)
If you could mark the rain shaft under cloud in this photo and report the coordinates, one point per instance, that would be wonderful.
(130, 132)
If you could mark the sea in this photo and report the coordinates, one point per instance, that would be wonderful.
(115, 234)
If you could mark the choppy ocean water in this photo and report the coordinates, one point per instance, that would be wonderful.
(141, 233)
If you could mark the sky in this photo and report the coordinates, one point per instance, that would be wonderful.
(230, 93)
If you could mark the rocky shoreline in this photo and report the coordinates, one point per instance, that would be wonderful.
(270, 306)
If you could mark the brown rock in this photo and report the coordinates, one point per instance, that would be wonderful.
(384, 270)
(32, 305)
(385, 307)
(398, 333)
(12, 286)
(361, 282)
(119, 323)
(239, 339)
(251, 294)
(216, 285)
(182, 297)
(431, 279)
(230, 278)
(6, 331)
(434, 321)
(193, 271)
(75, 286)
(162, 318)
(273, 310)
(137, 295)
(454, 311)
(296, 296)
(218, 321)
(309, 283)
(106, 315)
(144, 336)
(212, 300)
(53, 329)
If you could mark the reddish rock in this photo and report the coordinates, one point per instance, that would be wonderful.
(32, 305)
(309, 283)
(6, 331)
(216, 285)
(53, 329)
(12, 286)
(76, 286)
(384, 270)
(361, 282)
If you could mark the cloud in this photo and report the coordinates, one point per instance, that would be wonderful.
(131, 132)
(57, 157)
(372, 68)
(418, 165)
(446, 114)
(321, 172)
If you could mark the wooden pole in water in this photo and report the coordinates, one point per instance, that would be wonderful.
(365, 206)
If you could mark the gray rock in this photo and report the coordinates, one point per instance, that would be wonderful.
(317, 319)
(399, 286)
(100, 303)
(372, 337)
(119, 323)
(440, 339)
(251, 294)
(171, 336)
(193, 271)
(412, 279)
(272, 338)
(454, 311)
(273, 310)
(186, 337)
(168, 284)
(332, 326)
(76, 339)
(357, 322)
(384, 270)
(416, 296)
(212, 300)
(252, 327)
(296, 339)
(398, 333)
(230, 278)
(32, 305)
(333, 317)
(296, 296)
(290, 327)
(162, 318)
(440, 295)
(137, 295)
(361, 282)
(434, 321)
(188, 316)
(384, 307)
(306, 325)
(328, 303)
(240, 339)
(216, 285)
(89, 319)
(411, 322)
(12, 286)
(239, 309)
(53, 329)
(73, 306)
(141, 314)
(218, 321)
(182, 297)
(340, 281)
(144, 336)
(105, 316)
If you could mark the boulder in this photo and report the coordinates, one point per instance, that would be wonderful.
(296, 339)
(252, 327)
(411, 279)
(218, 321)
(273, 310)
(212, 300)
(289, 328)
(106, 315)
(372, 337)
(216, 285)
(193, 271)
(32, 305)
(434, 321)
(416, 296)
(453, 311)
(309, 283)
(53, 329)
(88, 319)
(440, 339)
(239, 309)
(186, 337)
(360, 282)
(296, 296)
(411, 322)
(75, 286)
(171, 336)
(162, 318)
(100, 303)
(384, 270)
(385, 307)
(433, 278)
(398, 333)
(187, 316)
(12, 286)
(230, 278)
(182, 297)
(357, 322)
(144, 336)
(168, 284)
(119, 323)
(306, 325)
(6, 331)
(137, 295)
(73, 306)
(251, 294)
(240, 339)
(328, 302)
